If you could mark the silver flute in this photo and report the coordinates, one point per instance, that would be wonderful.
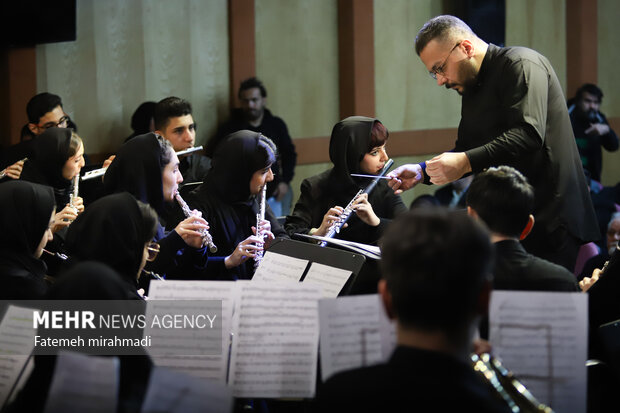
(74, 193)
(206, 236)
(260, 217)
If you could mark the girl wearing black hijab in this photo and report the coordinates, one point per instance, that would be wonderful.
(357, 146)
(27, 215)
(229, 199)
(56, 159)
(116, 230)
(148, 168)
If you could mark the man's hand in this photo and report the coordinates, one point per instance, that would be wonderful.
(108, 161)
(447, 167)
(597, 129)
(405, 177)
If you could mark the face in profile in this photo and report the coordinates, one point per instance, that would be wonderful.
(180, 132)
(171, 177)
(74, 164)
(260, 179)
(450, 64)
(373, 161)
(47, 237)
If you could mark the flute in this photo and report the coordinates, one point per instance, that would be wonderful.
(206, 236)
(260, 217)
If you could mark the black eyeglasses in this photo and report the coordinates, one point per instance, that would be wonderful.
(439, 70)
(62, 123)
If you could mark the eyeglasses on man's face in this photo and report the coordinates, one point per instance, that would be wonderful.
(62, 123)
(439, 70)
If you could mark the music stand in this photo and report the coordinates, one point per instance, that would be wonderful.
(323, 255)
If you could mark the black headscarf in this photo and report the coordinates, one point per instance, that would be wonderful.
(50, 152)
(111, 230)
(137, 169)
(26, 212)
(233, 164)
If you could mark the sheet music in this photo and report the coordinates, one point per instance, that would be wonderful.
(16, 343)
(355, 332)
(206, 367)
(370, 251)
(330, 279)
(274, 352)
(279, 267)
(174, 392)
(542, 338)
(83, 383)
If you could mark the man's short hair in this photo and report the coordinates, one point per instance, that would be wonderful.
(40, 104)
(441, 28)
(250, 84)
(503, 199)
(591, 89)
(435, 262)
(170, 107)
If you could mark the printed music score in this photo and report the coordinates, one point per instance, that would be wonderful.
(83, 383)
(16, 340)
(330, 279)
(275, 348)
(355, 332)
(542, 338)
(206, 367)
(279, 267)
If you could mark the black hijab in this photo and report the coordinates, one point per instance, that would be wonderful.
(137, 169)
(50, 152)
(233, 164)
(111, 230)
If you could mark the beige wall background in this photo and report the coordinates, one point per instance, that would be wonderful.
(131, 51)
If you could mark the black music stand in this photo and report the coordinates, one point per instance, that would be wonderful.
(327, 256)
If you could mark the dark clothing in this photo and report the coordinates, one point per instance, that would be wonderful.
(194, 167)
(272, 127)
(516, 115)
(349, 143)
(26, 212)
(590, 145)
(515, 269)
(412, 380)
(446, 196)
(226, 202)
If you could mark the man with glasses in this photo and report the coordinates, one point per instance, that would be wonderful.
(44, 111)
(513, 113)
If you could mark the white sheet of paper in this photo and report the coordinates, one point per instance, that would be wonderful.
(279, 267)
(330, 279)
(355, 332)
(207, 367)
(275, 348)
(542, 338)
(83, 383)
(16, 344)
(175, 392)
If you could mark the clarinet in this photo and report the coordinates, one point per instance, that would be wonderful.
(337, 225)
(206, 237)
(259, 218)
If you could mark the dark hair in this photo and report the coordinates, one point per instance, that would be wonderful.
(591, 89)
(435, 262)
(149, 219)
(141, 118)
(165, 151)
(441, 28)
(267, 152)
(503, 199)
(170, 107)
(425, 201)
(250, 84)
(378, 136)
(40, 104)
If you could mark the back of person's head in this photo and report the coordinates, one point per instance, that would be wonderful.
(170, 107)
(503, 199)
(442, 28)
(40, 104)
(252, 83)
(591, 89)
(142, 118)
(435, 263)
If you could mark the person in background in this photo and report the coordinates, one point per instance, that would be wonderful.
(142, 120)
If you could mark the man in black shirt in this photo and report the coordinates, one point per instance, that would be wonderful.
(253, 115)
(513, 113)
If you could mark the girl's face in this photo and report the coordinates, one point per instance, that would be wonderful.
(260, 179)
(171, 178)
(47, 236)
(74, 164)
(372, 163)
